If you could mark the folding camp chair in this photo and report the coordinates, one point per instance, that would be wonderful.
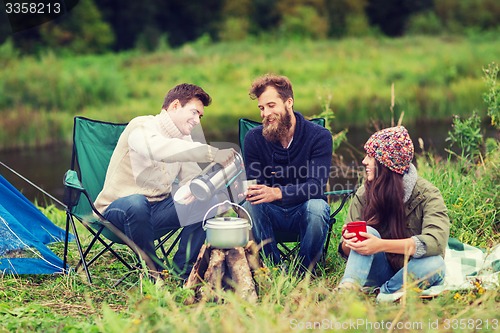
(93, 144)
(288, 242)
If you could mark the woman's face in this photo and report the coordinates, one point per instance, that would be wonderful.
(370, 167)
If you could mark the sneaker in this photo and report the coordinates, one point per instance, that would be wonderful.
(389, 298)
(370, 291)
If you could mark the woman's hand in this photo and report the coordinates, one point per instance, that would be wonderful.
(369, 246)
(348, 235)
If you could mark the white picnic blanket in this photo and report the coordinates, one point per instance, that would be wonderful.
(466, 264)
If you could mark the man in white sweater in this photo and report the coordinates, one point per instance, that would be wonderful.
(152, 153)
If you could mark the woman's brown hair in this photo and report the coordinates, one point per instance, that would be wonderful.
(384, 203)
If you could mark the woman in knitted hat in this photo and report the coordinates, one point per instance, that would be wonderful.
(405, 215)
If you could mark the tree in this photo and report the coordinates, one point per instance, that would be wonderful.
(82, 30)
(391, 15)
(264, 16)
(188, 20)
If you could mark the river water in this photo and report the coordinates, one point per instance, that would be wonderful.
(46, 167)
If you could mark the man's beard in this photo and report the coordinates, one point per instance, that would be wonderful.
(276, 133)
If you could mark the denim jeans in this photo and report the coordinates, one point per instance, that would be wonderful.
(375, 270)
(309, 219)
(143, 222)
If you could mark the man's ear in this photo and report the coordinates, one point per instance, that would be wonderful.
(289, 103)
(176, 104)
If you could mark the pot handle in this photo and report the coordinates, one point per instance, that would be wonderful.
(223, 203)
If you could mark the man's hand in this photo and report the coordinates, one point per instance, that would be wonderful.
(224, 156)
(257, 194)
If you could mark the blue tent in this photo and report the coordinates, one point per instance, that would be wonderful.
(24, 227)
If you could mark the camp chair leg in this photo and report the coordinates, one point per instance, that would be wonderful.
(163, 240)
(171, 248)
(91, 261)
(160, 246)
(66, 243)
(70, 220)
(83, 255)
(107, 247)
(327, 243)
(89, 247)
(117, 256)
(287, 252)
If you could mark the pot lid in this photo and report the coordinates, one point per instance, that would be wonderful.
(227, 222)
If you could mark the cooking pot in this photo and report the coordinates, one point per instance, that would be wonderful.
(227, 232)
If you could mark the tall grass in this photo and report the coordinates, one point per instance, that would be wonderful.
(471, 194)
(434, 78)
(62, 84)
(286, 303)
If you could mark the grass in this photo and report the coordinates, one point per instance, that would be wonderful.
(286, 303)
(434, 78)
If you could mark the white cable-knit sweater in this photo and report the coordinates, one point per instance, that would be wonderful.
(149, 156)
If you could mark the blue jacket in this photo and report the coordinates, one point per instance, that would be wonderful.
(301, 171)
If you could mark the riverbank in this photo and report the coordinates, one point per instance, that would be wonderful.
(434, 78)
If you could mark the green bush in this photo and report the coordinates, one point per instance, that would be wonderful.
(234, 28)
(466, 134)
(304, 22)
(426, 23)
(492, 96)
(458, 15)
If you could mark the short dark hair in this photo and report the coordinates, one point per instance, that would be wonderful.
(281, 83)
(185, 92)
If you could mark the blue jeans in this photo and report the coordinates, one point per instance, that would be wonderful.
(143, 222)
(309, 219)
(375, 271)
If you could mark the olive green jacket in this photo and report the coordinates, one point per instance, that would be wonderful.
(427, 218)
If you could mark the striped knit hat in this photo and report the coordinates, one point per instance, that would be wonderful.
(392, 147)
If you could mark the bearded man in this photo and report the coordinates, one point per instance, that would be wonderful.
(290, 159)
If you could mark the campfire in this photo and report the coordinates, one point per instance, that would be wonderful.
(224, 269)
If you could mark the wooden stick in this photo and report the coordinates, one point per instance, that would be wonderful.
(199, 269)
(252, 255)
(242, 279)
(214, 274)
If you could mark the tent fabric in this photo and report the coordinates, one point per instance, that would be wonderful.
(24, 227)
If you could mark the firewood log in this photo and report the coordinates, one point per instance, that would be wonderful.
(252, 255)
(241, 276)
(214, 274)
(198, 271)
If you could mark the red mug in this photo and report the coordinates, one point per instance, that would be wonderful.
(356, 227)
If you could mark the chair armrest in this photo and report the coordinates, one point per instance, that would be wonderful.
(71, 180)
(345, 195)
(341, 192)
